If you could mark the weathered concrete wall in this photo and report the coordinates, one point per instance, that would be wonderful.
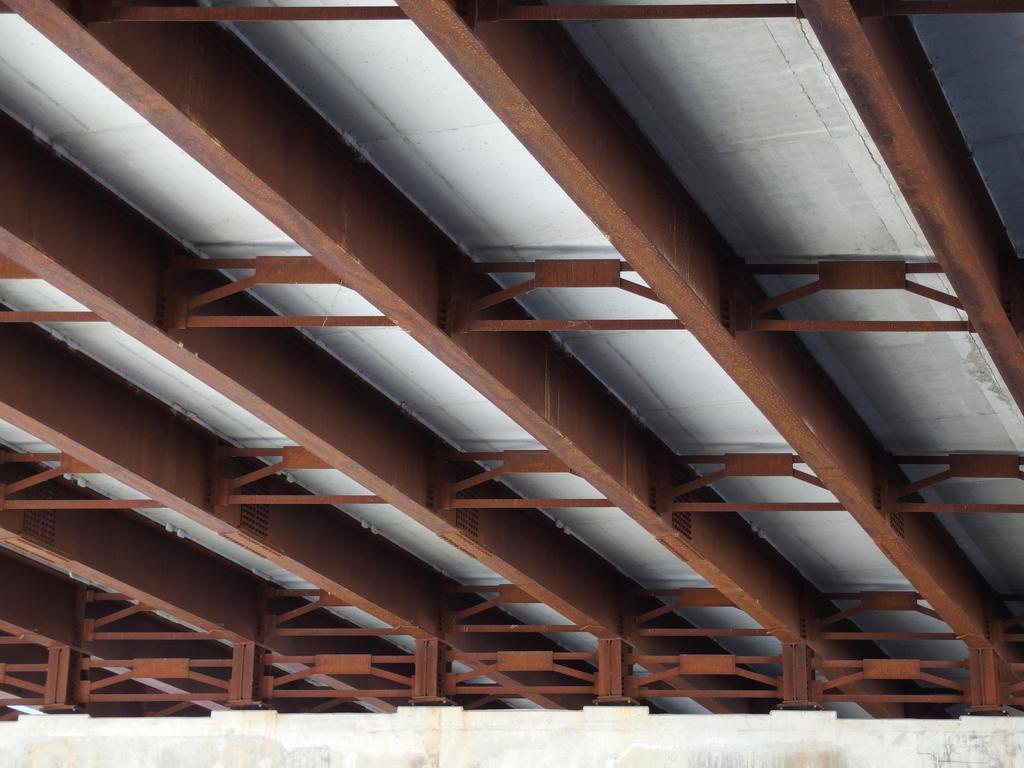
(448, 737)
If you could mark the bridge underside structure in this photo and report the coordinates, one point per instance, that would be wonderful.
(511, 355)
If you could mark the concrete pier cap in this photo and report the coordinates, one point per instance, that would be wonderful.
(450, 737)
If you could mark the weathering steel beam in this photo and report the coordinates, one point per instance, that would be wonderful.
(536, 82)
(236, 120)
(361, 433)
(394, 455)
(122, 552)
(496, 11)
(37, 605)
(138, 442)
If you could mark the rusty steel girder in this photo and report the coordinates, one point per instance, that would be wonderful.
(897, 97)
(484, 11)
(806, 680)
(602, 161)
(43, 625)
(205, 592)
(516, 371)
(117, 658)
(352, 564)
(196, 309)
(126, 554)
(103, 632)
(347, 433)
(120, 652)
(893, 501)
(255, 524)
(397, 279)
(273, 525)
(321, 406)
(36, 605)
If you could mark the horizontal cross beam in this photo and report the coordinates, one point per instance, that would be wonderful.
(497, 11)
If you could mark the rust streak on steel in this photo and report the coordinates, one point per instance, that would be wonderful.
(582, 138)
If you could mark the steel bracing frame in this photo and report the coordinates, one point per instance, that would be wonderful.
(107, 653)
(601, 160)
(519, 372)
(346, 432)
(473, 316)
(233, 119)
(282, 523)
